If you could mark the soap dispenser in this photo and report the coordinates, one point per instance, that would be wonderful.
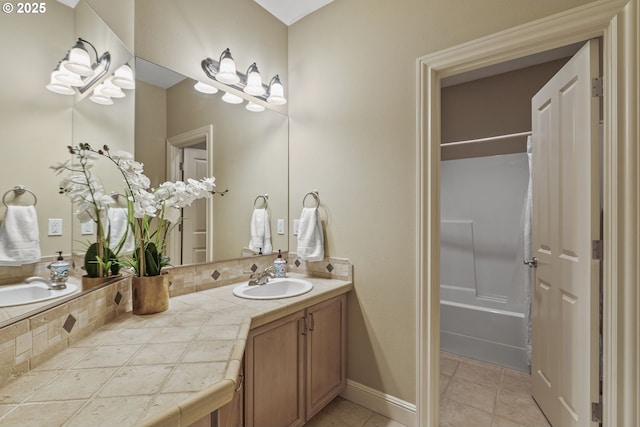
(280, 265)
(59, 269)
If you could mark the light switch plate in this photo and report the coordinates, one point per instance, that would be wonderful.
(86, 228)
(55, 226)
(280, 226)
(296, 226)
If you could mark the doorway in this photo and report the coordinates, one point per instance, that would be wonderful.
(593, 20)
(190, 155)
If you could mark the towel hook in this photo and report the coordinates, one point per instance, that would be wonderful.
(264, 197)
(315, 194)
(19, 190)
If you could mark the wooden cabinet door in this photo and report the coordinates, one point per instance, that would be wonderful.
(232, 414)
(326, 353)
(275, 374)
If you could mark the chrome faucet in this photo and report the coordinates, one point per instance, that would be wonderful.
(261, 278)
(57, 285)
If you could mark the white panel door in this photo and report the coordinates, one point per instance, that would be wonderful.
(566, 220)
(194, 222)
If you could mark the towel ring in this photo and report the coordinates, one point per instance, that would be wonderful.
(264, 197)
(19, 190)
(315, 195)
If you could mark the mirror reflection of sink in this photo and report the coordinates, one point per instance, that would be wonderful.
(27, 293)
(274, 289)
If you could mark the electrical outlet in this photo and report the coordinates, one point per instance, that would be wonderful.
(55, 227)
(280, 226)
(86, 228)
(296, 226)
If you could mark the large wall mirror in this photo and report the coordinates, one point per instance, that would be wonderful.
(36, 125)
(248, 150)
(248, 153)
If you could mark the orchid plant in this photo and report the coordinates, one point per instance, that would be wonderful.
(151, 212)
(88, 196)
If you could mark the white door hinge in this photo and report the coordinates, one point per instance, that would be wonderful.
(597, 88)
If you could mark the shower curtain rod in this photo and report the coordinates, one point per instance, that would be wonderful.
(490, 138)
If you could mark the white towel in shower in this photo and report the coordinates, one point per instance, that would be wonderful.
(310, 237)
(119, 225)
(260, 232)
(19, 236)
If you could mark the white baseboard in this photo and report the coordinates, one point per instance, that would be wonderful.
(381, 403)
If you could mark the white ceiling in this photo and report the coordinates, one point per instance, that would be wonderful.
(289, 11)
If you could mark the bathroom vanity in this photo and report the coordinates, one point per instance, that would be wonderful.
(185, 366)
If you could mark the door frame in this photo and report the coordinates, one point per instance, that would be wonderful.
(175, 144)
(617, 22)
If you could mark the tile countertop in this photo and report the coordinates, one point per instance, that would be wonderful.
(170, 368)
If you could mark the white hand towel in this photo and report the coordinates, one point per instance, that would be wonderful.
(19, 236)
(119, 224)
(310, 237)
(260, 232)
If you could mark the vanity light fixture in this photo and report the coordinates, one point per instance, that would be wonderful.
(250, 83)
(205, 88)
(227, 73)
(77, 70)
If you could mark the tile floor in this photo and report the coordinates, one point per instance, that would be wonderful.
(472, 394)
(478, 394)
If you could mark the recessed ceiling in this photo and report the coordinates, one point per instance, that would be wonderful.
(289, 11)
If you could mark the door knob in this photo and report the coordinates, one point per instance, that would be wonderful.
(532, 263)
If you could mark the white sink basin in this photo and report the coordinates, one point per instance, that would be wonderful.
(27, 293)
(274, 289)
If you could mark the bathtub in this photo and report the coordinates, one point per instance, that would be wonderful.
(482, 329)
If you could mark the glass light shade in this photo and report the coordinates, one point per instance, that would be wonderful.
(256, 108)
(67, 77)
(276, 92)
(254, 81)
(227, 72)
(231, 98)
(123, 77)
(99, 97)
(58, 87)
(205, 88)
(111, 90)
(79, 61)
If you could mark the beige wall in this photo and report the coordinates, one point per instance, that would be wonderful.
(496, 105)
(352, 71)
(151, 130)
(35, 124)
(179, 34)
